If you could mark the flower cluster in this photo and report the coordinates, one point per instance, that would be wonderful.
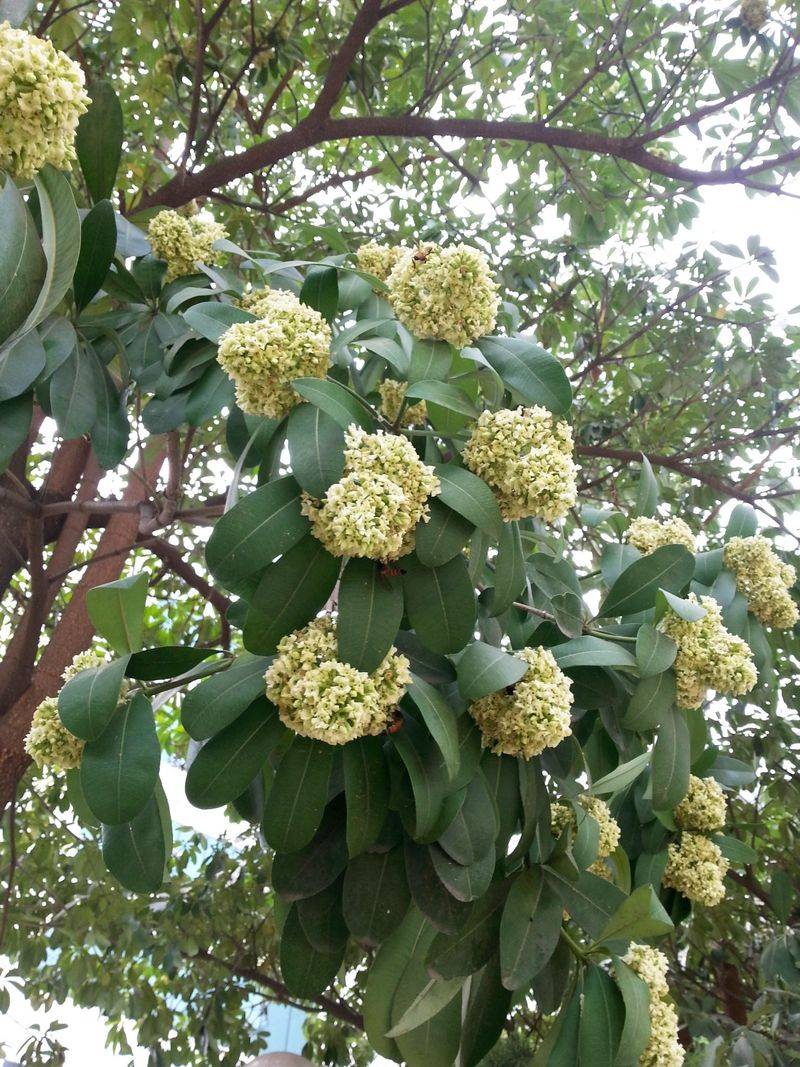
(392, 396)
(289, 340)
(534, 715)
(183, 241)
(49, 742)
(41, 99)
(649, 534)
(525, 455)
(754, 13)
(445, 293)
(709, 657)
(563, 815)
(383, 494)
(703, 807)
(84, 661)
(763, 579)
(318, 696)
(378, 259)
(256, 301)
(663, 1048)
(697, 868)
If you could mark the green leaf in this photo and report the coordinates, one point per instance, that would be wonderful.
(647, 492)
(99, 140)
(61, 241)
(166, 661)
(320, 291)
(651, 701)
(119, 769)
(655, 652)
(117, 611)
(463, 953)
(312, 869)
(225, 765)
(560, 1046)
(73, 394)
(316, 447)
(23, 266)
(621, 776)
(212, 392)
(370, 611)
(671, 761)
(110, 430)
(217, 702)
(435, 1042)
(590, 651)
(529, 929)
(529, 371)
(440, 719)
(211, 318)
(306, 972)
(443, 536)
(137, 852)
(737, 852)
(684, 609)
(15, 418)
(322, 921)
(486, 1014)
(639, 917)
(375, 895)
(602, 1017)
(636, 1029)
(781, 894)
(742, 523)
(440, 602)
(434, 996)
(366, 786)
(670, 567)
(384, 977)
(428, 892)
(299, 792)
(464, 883)
(471, 497)
(289, 594)
(263, 525)
(590, 901)
(427, 774)
(335, 401)
(615, 559)
(483, 669)
(98, 244)
(88, 701)
(21, 363)
(473, 830)
(445, 395)
(509, 573)
(430, 360)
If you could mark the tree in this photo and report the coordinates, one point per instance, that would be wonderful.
(678, 389)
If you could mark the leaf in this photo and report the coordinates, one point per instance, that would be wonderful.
(316, 447)
(366, 786)
(61, 241)
(671, 761)
(486, 1014)
(312, 869)
(209, 395)
(322, 921)
(426, 772)
(21, 363)
(375, 895)
(602, 1017)
(530, 371)
(484, 669)
(440, 719)
(117, 611)
(440, 602)
(335, 401)
(445, 395)
(428, 892)
(670, 567)
(590, 901)
(320, 291)
(98, 141)
(590, 651)
(473, 830)
(685, 609)
(119, 769)
(87, 703)
(166, 661)
(225, 765)
(655, 652)
(306, 972)
(434, 996)
(73, 393)
(435, 1042)
(443, 536)
(463, 953)
(621, 776)
(370, 611)
(471, 497)
(384, 977)
(647, 492)
(509, 574)
(289, 594)
(217, 702)
(615, 559)
(742, 523)
(137, 852)
(636, 1029)
(23, 266)
(529, 929)
(430, 360)
(260, 527)
(111, 429)
(651, 701)
(211, 318)
(15, 418)
(640, 916)
(299, 792)
(98, 244)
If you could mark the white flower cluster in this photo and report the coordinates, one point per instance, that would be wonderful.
(563, 815)
(382, 495)
(49, 742)
(84, 661)
(764, 580)
(534, 715)
(288, 340)
(525, 455)
(255, 301)
(649, 534)
(697, 869)
(709, 657)
(392, 396)
(183, 241)
(703, 807)
(663, 1048)
(378, 259)
(445, 293)
(320, 697)
(42, 96)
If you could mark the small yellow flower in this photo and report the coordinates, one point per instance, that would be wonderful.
(256, 301)
(764, 580)
(649, 534)
(184, 241)
(563, 815)
(378, 259)
(84, 661)
(697, 868)
(49, 742)
(663, 1048)
(703, 807)
(392, 395)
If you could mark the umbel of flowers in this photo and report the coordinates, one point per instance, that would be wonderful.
(49, 742)
(378, 259)
(320, 697)
(703, 807)
(708, 657)
(525, 455)
(563, 815)
(288, 340)
(184, 241)
(256, 301)
(534, 715)
(42, 96)
(763, 579)
(663, 1048)
(697, 869)
(392, 395)
(649, 534)
(373, 509)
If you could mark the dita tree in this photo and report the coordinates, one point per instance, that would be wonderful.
(467, 630)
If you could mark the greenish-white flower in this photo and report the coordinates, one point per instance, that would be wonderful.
(663, 1047)
(764, 580)
(378, 259)
(703, 807)
(697, 869)
(649, 534)
(184, 241)
(49, 743)
(392, 396)
(563, 815)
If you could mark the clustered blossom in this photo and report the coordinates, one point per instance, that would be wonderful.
(754, 13)
(764, 579)
(288, 340)
(525, 455)
(563, 815)
(378, 259)
(320, 697)
(373, 510)
(649, 534)
(709, 657)
(663, 1047)
(392, 396)
(445, 293)
(534, 716)
(697, 868)
(49, 742)
(256, 301)
(84, 661)
(703, 807)
(184, 241)
(42, 96)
